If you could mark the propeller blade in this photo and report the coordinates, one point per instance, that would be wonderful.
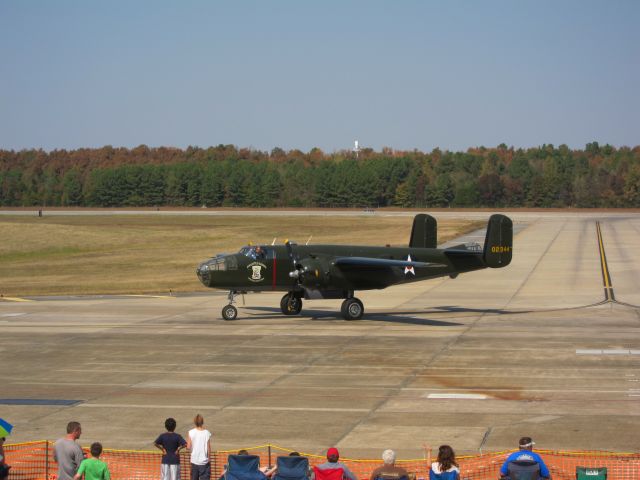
(295, 273)
(291, 253)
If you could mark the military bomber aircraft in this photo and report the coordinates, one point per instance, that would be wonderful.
(338, 271)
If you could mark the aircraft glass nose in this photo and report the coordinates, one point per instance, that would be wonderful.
(204, 271)
(207, 268)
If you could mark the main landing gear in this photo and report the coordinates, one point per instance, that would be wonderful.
(291, 304)
(352, 309)
(229, 312)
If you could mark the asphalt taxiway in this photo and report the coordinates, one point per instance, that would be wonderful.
(548, 347)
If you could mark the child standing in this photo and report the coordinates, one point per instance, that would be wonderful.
(170, 443)
(199, 442)
(93, 468)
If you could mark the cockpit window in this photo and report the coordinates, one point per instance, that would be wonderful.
(231, 262)
(218, 263)
(256, 253)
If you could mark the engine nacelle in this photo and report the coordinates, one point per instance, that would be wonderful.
(313, 272)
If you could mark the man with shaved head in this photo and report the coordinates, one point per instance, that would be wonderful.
(67, 453)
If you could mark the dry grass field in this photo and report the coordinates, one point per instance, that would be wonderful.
(69, 255)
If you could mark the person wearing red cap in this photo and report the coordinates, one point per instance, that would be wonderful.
(332, 462)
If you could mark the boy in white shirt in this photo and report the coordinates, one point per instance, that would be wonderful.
(199, 442)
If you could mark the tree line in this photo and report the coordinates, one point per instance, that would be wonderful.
(545, 176)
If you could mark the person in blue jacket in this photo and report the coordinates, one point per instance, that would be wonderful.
(525, 454)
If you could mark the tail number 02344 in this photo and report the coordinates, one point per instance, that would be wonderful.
(500, 249)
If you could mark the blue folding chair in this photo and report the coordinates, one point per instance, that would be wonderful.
(244, 467)
(523, 470)
(292, 468)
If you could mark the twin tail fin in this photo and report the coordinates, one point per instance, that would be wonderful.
(424, 233)
(498, 243)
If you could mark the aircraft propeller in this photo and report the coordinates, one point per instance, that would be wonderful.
(304, 271)
(296, 272)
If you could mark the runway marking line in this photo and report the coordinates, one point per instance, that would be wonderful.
(149, 296)
(607, 352)
(213, 407)
(606, 277)
(146, 405)
(457, 396)
(15, 299)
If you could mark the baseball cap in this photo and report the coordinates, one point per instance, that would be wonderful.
(526, 442)
(333, 451)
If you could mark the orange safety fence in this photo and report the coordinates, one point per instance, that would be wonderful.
(34, 461)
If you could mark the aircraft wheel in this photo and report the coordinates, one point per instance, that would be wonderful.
(352, 309)
(290, 305)
(229, 312)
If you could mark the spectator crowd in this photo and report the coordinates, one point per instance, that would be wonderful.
(73, 465)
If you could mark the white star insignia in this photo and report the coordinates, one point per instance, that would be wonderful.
(409, 269)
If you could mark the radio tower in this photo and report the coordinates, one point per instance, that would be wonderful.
(356, 148)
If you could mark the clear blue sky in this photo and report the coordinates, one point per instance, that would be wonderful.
(299, 74)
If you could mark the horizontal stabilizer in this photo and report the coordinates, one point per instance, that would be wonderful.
(468, 250)
(463, 252)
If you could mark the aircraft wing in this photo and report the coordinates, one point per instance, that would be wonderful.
(383, 262)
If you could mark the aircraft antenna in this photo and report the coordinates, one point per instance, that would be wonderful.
(356, 148)
(310, 237)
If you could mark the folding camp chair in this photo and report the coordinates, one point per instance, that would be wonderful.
(591, 473)
(328, 473)
(523, 470)
(244, 467)
(453, 475)
(292, 468)
(387, 476)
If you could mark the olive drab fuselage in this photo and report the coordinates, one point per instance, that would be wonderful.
(337, 271)
(269, 270)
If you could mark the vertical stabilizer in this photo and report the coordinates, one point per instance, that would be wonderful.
(424, 233)
(498, 244)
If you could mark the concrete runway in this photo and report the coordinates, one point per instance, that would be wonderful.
(538, 349)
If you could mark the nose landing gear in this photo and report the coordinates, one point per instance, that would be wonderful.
(229, 312)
